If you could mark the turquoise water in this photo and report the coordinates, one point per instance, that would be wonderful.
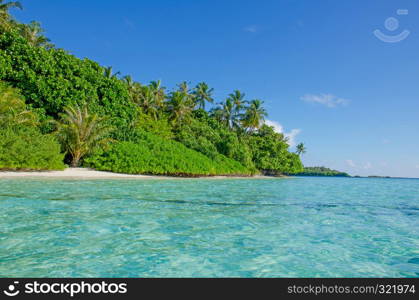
(298, 227)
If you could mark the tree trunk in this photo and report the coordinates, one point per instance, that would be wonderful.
(76, 160)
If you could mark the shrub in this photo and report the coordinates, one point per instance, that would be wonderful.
(151, 154)
(26, 148)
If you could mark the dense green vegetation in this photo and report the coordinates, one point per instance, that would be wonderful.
(113, 123)
(22, 145)
(321, 171)
(151, 154)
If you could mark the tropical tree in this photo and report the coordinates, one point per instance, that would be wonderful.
(238, 100)
(5, 18)
(301, 149)
(230, 111)
(179, 106)
(127, 80)
(159, 93)
(13, 108)
(108, 72)
(80, 132)
(149, 98)
(148, 101)
(34, 34)
(202, 93)
(254, 115)
(183, 87)
(226, 114)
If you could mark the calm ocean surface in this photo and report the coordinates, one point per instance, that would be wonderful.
(299, 227)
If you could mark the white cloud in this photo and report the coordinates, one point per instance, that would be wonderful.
(251, 28)
(328, 100)
(351, 163)
(417, 166)
(291, 136)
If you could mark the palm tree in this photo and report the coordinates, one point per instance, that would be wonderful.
(33, 33)
(80, 132)
(202, 93)
(254, 115)
(133, 88)
(5, 18)
(159, 93)
(229, 112)
(13, 108)
(179, 106)
(126, 79)
(226, 115)
(238, 100)
(109, 73)
(147, 101)
(184, 87)
(301, 149)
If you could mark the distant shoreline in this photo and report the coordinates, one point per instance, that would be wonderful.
(85, 173)
(357, 177)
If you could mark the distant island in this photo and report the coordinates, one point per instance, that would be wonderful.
(321, 171)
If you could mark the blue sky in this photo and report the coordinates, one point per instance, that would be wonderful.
(352, 98)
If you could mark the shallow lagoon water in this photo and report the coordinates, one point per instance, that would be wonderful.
(297, 227)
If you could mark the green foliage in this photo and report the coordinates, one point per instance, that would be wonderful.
(13, 108)
(254, 115)
(160, 127)
(53, 79)
(231, 139)
(22, 146)
(80, 132)
(155, 155)
(270, 152)
(33, 33)
(25, 148)
(6, 21)
(301, 149)
(321, 171)
(208, 137)
(202, 93)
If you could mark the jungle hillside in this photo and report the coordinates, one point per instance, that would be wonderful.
(57, 109)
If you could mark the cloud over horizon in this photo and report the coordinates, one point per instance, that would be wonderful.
(291, 136)
(328, 100)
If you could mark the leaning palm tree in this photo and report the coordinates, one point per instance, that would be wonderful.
(301, 149)
(202, 94)
(80, 132)
(5, 18)
(254, 115)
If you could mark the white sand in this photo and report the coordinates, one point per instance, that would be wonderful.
(84, 173)
(76, 173)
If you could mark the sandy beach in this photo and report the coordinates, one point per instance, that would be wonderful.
(75, 173)
(85, 173)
